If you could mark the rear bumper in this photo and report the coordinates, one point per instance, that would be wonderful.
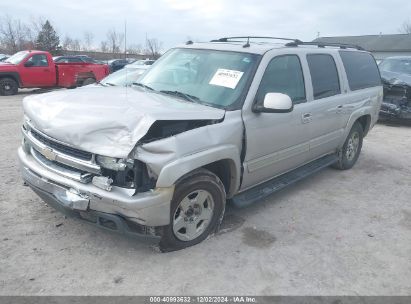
(149, 209)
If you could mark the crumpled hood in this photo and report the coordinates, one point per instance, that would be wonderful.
(108, 121)
(394, 78)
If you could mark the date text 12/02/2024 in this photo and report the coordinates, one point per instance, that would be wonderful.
(203, 299)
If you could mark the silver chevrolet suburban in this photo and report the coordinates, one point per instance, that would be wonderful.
(232, 120)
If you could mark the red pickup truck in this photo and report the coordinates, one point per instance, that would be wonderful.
(36, 69)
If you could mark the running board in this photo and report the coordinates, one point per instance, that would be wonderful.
(265, 189)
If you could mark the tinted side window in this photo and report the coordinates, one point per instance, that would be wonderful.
(283, 75)
(362, 71)
(324, 75)
(39, 60)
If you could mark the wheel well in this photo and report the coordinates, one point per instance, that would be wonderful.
(12, 77)
(83, 76)
(224, 170)
(365, 122)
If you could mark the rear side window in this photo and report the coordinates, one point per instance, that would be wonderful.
(362, 71)
(324, 75)
(283, 75)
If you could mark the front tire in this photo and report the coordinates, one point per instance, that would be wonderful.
(197, 209)
(8, 87)
(351, 149)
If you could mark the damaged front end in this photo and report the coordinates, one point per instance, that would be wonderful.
(397, 100)
(96, 171)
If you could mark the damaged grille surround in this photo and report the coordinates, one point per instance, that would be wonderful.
(397, 101)
(80, 165)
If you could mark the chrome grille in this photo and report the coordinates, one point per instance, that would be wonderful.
(62, 148)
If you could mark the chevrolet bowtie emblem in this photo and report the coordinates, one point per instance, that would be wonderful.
(49, 153)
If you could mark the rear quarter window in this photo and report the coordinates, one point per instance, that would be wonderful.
(361, 68)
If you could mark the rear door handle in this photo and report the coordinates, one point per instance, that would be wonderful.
(306, 118)
(339, 108)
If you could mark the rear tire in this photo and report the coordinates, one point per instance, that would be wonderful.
(88, 81)
(8, 87)
(351, 149)
(197, 209)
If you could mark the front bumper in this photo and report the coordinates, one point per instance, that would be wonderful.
(149, 209)
(394, 111)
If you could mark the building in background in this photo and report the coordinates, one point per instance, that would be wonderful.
(381, 46)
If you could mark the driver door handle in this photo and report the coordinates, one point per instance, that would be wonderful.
(306, 118)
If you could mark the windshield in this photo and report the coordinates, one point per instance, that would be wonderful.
(17, 58)
(124, 77)
(396, 65)
(216, 78)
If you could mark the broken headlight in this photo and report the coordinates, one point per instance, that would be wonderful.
(111, 163)
(131, 174)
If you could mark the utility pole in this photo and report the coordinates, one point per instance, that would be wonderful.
(125, 39)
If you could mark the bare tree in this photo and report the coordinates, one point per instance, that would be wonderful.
(103, 46)
(114, 40)
(71, 44)
(14, 35)
(88, 41)
(134, 49)
(153, 47)
(67, 43)
(406, 27)
(35, 26)
(76, 45)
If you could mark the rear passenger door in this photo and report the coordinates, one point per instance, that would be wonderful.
(326, 123)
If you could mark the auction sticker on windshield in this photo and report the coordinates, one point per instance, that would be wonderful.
(226, 78)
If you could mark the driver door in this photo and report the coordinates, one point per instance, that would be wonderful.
(37, 72)
(277, 142)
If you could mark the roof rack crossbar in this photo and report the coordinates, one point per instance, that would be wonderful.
(227, 39)
(324, 44)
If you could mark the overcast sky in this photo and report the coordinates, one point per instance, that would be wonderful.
(172, 21)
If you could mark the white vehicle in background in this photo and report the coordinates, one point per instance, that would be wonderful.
(139, 63)
(124, 77)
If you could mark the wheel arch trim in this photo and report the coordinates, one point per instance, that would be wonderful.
(173, 171)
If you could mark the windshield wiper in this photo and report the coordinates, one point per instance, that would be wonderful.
(185, 96)
(139, 84)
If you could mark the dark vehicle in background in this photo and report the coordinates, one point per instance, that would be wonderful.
(124, 77)
(68, 59)
(76, 59)
(117, 64)
(36, 69)
(396, 77)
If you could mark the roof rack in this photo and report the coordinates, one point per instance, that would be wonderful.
(227, 39)
(324, 44)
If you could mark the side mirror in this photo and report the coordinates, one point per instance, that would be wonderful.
(275, 103)
(28, 64)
